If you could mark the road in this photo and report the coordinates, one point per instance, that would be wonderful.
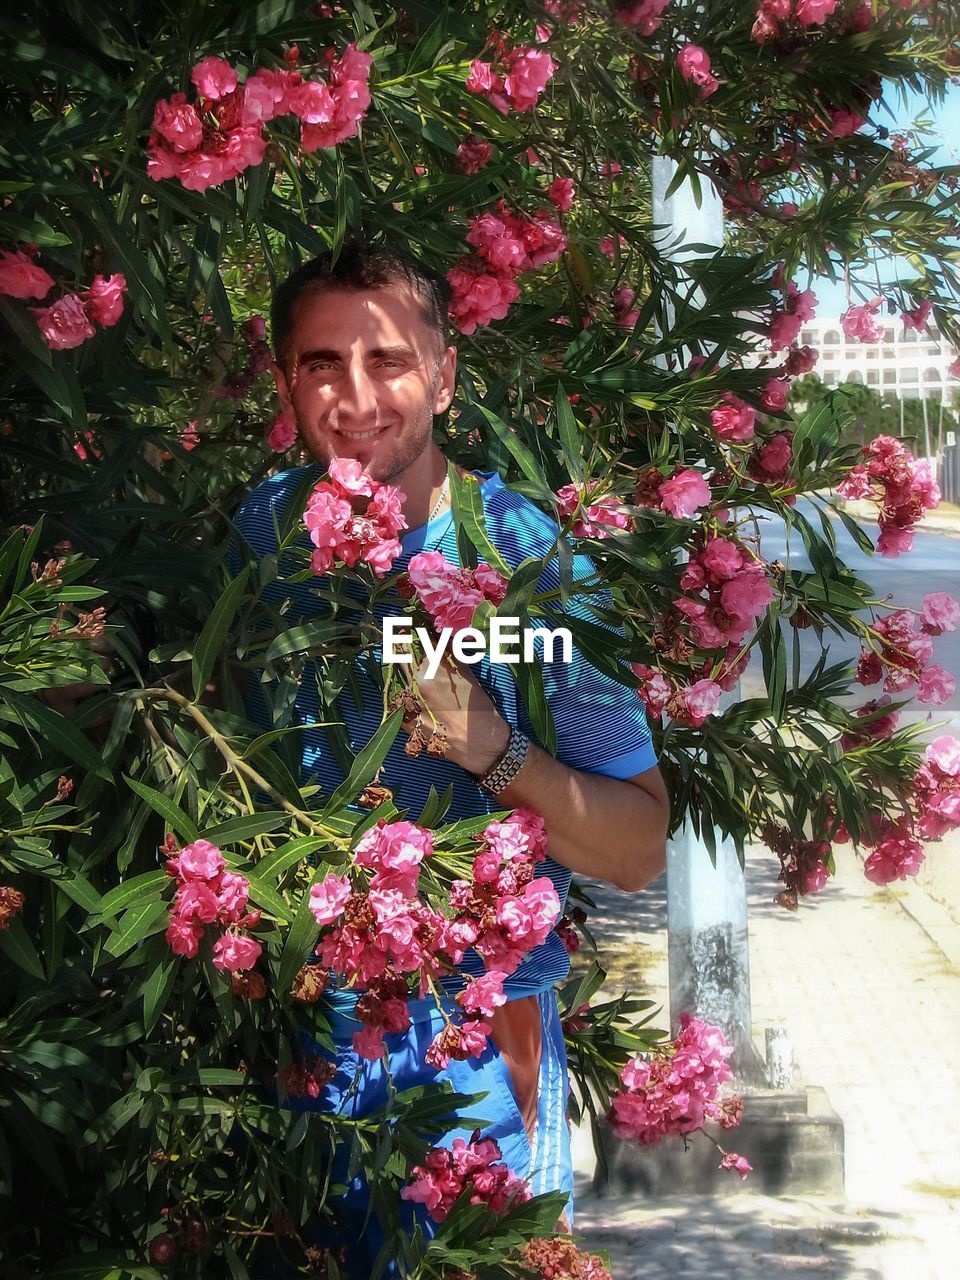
(933, 564)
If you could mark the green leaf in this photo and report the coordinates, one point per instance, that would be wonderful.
(178, 822)
(157, 989)
(211, 638)
(570, 434)
(307, 636)
(139, 921)
(527, 463)
(123, 895)
(17, 945)
(303, 933)
(245, 827)
(467, 503)
(59, 733)
(366, 764)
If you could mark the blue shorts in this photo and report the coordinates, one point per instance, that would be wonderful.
(361, 1087)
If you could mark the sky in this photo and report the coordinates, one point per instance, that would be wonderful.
(944, 133)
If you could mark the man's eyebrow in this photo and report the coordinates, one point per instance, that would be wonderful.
(399, 349)
(318, 353)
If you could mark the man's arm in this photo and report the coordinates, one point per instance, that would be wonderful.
(606, 828)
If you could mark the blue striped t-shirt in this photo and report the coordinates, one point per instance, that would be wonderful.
(601, 725)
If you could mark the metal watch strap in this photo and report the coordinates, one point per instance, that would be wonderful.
(500, 775)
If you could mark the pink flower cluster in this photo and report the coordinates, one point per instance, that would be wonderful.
(69, 321)
(677, 1091)
(693, 63)
(896, 854)
(681, 495)
(803, 13)
(936, 789)
(690, 704)
(733, 420)
(507, 245)
(918, 317)
(592, 519)
(209, 894)
(351, 517)
(473, 154)
(213, 140)
(906, 648)
(516, 78)
(785, 323)
(903, 487)
(386, 935)
(862, 323)
(451, 595)
(770, 461)
(258, 360)
(736, 588)
(476, 1166)
(646, 15)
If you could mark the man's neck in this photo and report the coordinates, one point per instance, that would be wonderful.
(421, 483)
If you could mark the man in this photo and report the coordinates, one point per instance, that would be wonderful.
(363, 365)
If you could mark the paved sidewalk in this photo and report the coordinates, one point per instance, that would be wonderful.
(872, 1007)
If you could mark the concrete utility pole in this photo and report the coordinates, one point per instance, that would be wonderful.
(706, 903)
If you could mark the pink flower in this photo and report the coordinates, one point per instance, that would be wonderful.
(233, 893)
(491, 582)
(198, 861)
(483, 995)
(105, 299)
(448, 594)
(189, 437)
(684, 493)
(733, 420)
(368, 1043)
(348, 475)
(592, 524)
(196, 902)
(699, 700)
(722, 559)
(473, 154)
(944, 754)
(893, 541)
(64, 324)
(528, 73)
(479, 296)
(784, 330)
(328, 898)
(498, 243)
(236, 952)
(844, 123)
(481, 78)
(655, 689)
(562, 193)
(20, 277)
(936, 686)
(644, 14)
(183, 936)
(282, 432)
(774, 395)
(896, 856)
(693, 63)
(940, 613)
(214, 78)
(730, 1158)
(917, 319)
(859, 322)
(811, 13)
(395, 851)
(954, 368)
(177, 123)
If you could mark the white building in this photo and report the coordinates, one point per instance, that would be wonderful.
(906, 365)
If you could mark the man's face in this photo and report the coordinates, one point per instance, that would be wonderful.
(363, 376)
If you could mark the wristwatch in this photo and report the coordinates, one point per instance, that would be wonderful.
(499, 776)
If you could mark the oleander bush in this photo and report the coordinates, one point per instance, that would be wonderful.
(165, 166)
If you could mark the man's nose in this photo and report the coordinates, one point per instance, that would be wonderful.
(358, 395)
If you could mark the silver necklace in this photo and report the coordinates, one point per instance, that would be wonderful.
(440, 500)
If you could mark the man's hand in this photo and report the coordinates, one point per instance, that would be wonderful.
(476, 733)
(607, 828)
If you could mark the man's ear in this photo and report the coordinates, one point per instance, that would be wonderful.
(446, 381)
(283, 389)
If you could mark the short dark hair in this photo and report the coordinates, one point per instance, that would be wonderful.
(360, 265)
